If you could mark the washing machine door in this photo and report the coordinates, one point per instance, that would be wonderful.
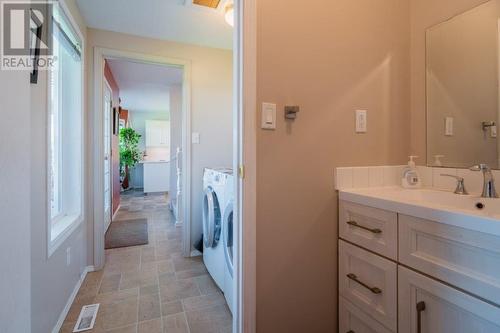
(228, 236)
(211, 218)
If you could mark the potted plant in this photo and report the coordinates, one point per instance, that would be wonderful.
(130, 154)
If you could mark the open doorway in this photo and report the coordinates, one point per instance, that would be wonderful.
(167, 182)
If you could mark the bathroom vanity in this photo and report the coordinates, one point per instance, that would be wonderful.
(418, 261)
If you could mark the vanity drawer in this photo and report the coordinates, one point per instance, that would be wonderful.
(369, 282)
(352, 319)
(469, 260)
(372, 228)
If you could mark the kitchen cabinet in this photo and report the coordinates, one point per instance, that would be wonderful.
(157, 133)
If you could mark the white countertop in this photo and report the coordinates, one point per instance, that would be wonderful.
(430, 204)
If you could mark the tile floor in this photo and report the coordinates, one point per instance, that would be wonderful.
(152, 288)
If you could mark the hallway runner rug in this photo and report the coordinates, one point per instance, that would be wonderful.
(127, 233)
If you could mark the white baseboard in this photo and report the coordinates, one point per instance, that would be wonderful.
(114, 215)
(65, 311)
(179, 224)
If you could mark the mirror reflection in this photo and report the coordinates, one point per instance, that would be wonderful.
(462, 89)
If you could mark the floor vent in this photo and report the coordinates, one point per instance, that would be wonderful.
(86, 320)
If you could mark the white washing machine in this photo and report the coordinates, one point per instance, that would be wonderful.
(214, 182)
(228, 242)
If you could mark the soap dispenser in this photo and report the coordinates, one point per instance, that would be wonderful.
(410, 176)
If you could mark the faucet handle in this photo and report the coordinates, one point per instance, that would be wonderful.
(460, 184)
(480, 167)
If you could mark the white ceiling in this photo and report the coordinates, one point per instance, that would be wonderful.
(144, 87)
(175, 20)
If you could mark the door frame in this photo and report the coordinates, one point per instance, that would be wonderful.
(100, 54)
(108, 86)
(244, 161)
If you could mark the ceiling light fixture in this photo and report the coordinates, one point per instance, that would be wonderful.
(229, 13)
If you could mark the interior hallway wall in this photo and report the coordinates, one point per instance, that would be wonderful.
(52, 280)
(425, 14)
(115, 140)
(211, 103)
(330, 58)
(15, 192)
(175, 135)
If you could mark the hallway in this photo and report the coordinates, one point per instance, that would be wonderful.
(152, 288)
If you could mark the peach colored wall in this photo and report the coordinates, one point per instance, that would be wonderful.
(115, 150)
(329, 58)
(425, 14)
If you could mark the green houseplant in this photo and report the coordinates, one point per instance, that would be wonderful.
(130, 154)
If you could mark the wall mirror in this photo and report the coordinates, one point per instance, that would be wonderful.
(463, 107)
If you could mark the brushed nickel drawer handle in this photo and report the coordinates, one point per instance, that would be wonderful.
(374, 290)
(355, 224)
(420, 309)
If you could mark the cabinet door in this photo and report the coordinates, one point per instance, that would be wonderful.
(467, 259)
(369, 282)
(354, 320)
(428, 306)
(157, 133)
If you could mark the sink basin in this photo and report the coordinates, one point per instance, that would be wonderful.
(470, 211)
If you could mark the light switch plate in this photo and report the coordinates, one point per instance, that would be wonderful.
(268, 116)
(195, 138)
(361, 121)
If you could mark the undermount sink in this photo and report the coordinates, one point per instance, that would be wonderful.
(469, 211)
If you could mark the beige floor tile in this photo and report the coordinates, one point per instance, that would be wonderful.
(127, 329)
(151, 326)
(165, 266)
(117, 296)
(170, 308)
(119, 314)
(149, 307)
(177, 290)
(184, 264)
(148, 290)
(175, 324)
(207, 285)
(216, 319)
(199, 302)
(110, 283)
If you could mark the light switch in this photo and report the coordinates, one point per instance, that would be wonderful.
(494, 131)
(268, 116)
(448, 126)
(195, 138)
(361, 121)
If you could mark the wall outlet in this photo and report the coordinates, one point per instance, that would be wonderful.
(195, 138)
(68, 256)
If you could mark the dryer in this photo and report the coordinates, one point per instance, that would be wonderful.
(229, 246)
(214, 181)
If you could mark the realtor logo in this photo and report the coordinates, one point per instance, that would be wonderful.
(26, 35)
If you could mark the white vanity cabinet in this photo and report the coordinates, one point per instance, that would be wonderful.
(399, 273)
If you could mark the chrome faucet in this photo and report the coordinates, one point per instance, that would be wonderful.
(489, 190)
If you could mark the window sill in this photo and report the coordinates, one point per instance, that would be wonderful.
(61, 229)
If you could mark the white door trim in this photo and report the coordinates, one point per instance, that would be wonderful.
(97, 142)
(245, 132)
(108, 223)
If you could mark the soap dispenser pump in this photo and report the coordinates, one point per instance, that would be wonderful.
(410, 176)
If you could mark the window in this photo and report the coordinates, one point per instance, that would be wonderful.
(65, 131)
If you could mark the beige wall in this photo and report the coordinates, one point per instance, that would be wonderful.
(330, 58)
(52, 281)
(211, 102)
(425, 14)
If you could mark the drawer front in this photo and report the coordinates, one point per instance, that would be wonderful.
(353, 319)
(466, 259)
(372, 228)
(369, 282)
(426, 305)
